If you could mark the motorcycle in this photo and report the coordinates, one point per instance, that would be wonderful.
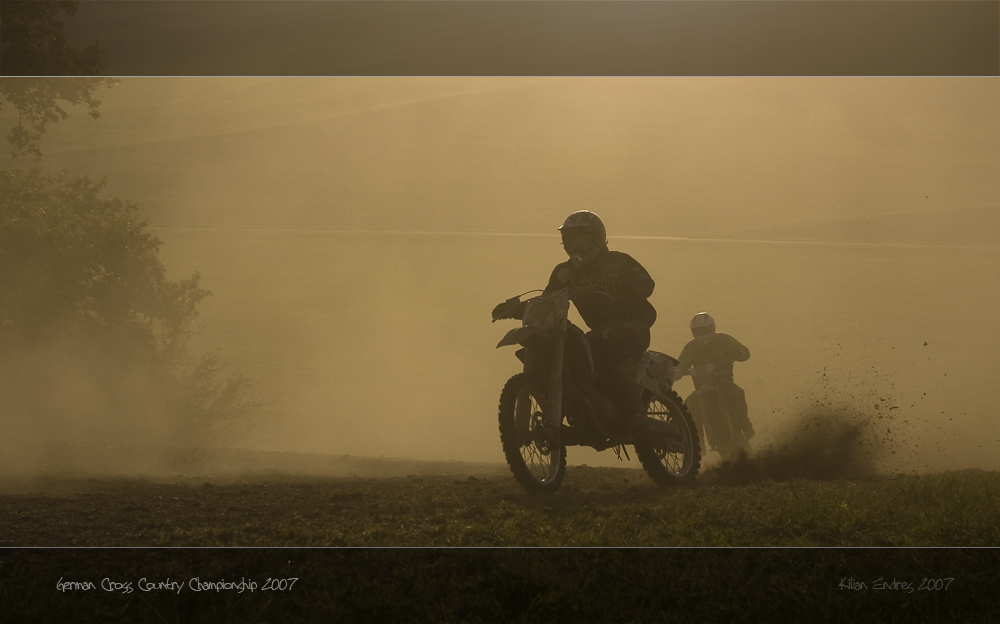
(560, 400)
(714, 418)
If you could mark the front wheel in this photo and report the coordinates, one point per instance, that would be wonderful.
(535, 456)
(675, 457)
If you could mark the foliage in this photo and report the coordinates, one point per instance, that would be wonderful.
(67, 256)
(210, 407)
(80, 277)
(33, 45)
(84, 298)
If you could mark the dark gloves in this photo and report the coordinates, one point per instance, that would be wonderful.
(505, 309)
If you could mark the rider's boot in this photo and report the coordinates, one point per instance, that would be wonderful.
(737, 402)
(742, 412)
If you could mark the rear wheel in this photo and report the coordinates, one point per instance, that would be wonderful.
(536, 457)
(676, 457)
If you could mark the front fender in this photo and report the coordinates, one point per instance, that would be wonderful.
(519, 335)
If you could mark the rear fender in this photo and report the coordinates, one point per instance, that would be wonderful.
(520, 335)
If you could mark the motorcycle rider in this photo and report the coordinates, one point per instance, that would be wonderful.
(610, 290)
(709, 348)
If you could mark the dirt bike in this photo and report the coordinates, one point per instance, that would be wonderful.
(714, 418)
(560, 400)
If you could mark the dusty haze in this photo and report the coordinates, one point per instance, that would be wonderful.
(357, 232)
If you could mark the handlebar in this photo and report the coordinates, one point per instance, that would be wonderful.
(503, 310)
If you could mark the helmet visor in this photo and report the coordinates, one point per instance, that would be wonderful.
(703, 330)
(577, 240)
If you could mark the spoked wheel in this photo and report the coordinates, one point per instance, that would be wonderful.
(536, 458)
(675, 457)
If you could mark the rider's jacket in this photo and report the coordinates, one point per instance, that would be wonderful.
(721, 351)
(628, 304)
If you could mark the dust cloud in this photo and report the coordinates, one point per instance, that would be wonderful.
(828, 439)
(820, 445)
(847, 425)
(67, 408)
(356, 234)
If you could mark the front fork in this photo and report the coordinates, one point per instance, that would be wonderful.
(554, 395)
(543, 359)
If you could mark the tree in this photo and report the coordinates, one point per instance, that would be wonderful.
(68, 257)
(33, 46)
(93, 336)
(81, 281)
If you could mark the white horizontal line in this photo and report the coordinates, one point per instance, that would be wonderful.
(757, 241)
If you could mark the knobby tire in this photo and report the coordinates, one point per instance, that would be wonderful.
(662, 469)
(531, 480)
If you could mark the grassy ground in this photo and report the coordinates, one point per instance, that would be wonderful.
(595, 507)
(274, 517)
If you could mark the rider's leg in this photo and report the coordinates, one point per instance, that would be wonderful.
(738, 402)
(629, 395)
(622, 346)
(694, 406)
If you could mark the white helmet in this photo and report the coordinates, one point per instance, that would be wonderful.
(702, 327)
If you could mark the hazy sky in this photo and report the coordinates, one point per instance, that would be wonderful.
(381, 344)
(686, 156)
